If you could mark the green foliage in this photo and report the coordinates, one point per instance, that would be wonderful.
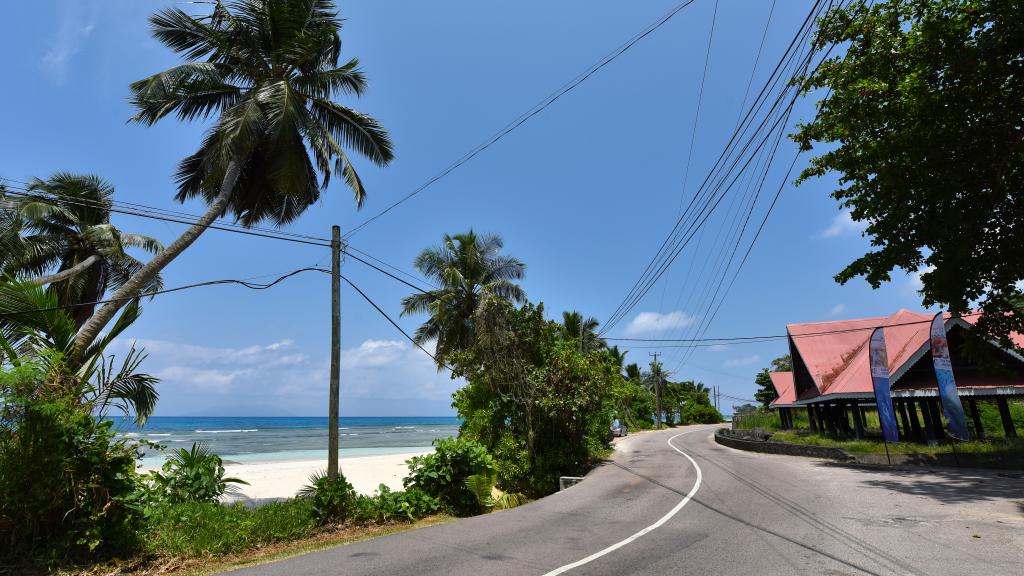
(388, 506)
(192, 529)
(696, 412)
(442, 474)
(540, 405)
(482, 487)
(67, 484)
(921, 118)
(331, 500)
(194, 475)
(468, 268)
(766, 392)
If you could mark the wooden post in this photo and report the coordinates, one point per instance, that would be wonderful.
(811, 423)
(332, 410)
(915, 422)
(908, 432)
(979, 430)
(858, 424)
(929, 423)
(1004, 415)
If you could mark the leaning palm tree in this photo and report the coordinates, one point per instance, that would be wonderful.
(584, 330)
(467, 267)
(269, 70)
(65, 239)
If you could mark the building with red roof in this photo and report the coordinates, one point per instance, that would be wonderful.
(831, 374)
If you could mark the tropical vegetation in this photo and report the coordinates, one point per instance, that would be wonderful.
(920, 117)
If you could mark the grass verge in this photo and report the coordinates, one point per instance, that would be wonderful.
(1009, 447)
(326, 537)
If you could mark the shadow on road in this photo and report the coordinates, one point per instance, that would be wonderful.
(961, 485)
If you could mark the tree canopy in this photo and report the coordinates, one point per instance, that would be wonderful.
(923, 121)
(765, 390)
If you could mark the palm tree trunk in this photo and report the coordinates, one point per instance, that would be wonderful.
(92, 328)
(65, 274)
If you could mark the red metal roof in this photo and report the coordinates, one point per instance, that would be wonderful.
(836, 353)
(783, 383)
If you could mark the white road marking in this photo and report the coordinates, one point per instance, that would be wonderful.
(651, 528)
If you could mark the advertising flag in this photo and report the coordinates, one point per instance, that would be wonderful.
(880, 381)
(951, 405)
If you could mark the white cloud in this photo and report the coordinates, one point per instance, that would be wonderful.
(76, 23)
(718, 348)
(744, 361)
(647, 323)
(916, 284)
(385, 376)
(843, 224)
(837, 309)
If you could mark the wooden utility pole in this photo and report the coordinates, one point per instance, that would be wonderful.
(657, 385)
(332, 412)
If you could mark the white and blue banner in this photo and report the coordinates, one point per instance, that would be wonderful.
(951, 406)
(880, 382)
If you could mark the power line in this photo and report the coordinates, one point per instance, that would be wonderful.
(526, 116)
(393, 323)
(250, 285)
(382, 271)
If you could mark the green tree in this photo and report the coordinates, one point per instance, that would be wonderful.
(468, 268)
(583, 330)
(269, 71)
(633, 372)
(69, 243)
(923, 120)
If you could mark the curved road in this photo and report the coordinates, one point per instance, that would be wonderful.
(674, 502)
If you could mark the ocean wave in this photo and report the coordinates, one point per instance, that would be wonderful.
(404, 428)
(227, 431)
(155, 434)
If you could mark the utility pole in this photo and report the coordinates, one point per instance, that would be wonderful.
(332, 412)
(657, 385)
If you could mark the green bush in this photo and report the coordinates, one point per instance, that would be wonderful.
(192, 529)
(67, 484)
(443, 473)
(388, 506)
(700, 413)
(195, 475)
(331, 500)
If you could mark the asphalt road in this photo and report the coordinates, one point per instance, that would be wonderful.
(674, 502)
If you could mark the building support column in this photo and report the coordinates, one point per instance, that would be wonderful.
(811, 422)
(979, 430)
(858, 423)
(915, 422)
(907, 433)
(933, 405)
(1004, 415)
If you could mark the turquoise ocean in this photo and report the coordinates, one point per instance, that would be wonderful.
(275, 439)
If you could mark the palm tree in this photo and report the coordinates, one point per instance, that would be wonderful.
(268, 69)
(618, 357)
(584, 330)
(656, 381)
(467, 267)
(632, 372)
(71, 238)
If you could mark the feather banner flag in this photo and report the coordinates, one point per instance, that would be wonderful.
(880, 381)
(951, 406)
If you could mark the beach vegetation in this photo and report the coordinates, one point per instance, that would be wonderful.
(490, 497)
(268, 74)
(332, 499)
(191, 475)
(467, 268)
(387, 505)
(61, 236)
(442, 473)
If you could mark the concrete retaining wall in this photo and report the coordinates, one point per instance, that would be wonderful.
(725, 437)
(742, 441)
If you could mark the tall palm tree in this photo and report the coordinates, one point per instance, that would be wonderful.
(633, 372)
(69, 243)
(584, 330)
(269, 71)
(466, 267)
(656, 381)
(618, 357)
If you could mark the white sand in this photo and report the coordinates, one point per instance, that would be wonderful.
(284, 479)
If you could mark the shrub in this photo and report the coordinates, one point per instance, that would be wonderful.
(195, 475)
(387, 505)
(443, 473)
(67, 484)
(700, 413)
(193, 529)
(331, 500)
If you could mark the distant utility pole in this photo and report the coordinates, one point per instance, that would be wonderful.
(657, 385)
(332, 412)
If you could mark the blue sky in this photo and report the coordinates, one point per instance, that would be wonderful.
(584, 193)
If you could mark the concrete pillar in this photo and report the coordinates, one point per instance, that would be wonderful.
(1004, 415)
(979, 430)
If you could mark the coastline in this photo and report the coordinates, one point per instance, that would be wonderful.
(274, 479)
